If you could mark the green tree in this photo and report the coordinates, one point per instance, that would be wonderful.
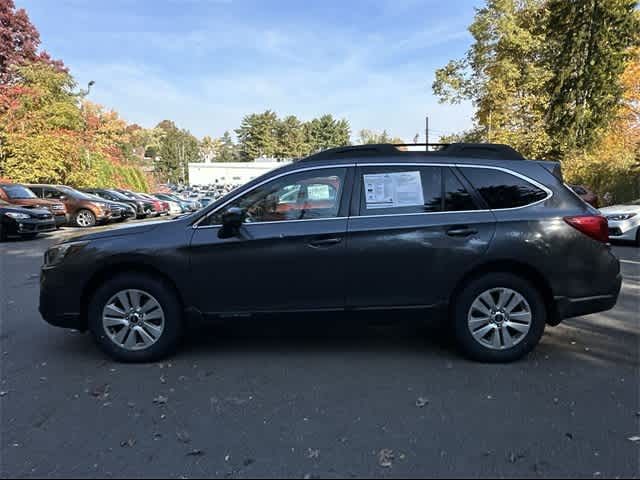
(177, 149)
(228, 149)
(258, 135)
(588, 44)
(368, 137)
(291, 139)
(209, 149)
(504, 75)
(326, 132)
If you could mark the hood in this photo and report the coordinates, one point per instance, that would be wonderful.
(117, 231)
(620, 209)
(18, 209)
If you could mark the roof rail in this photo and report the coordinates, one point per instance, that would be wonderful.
(470, 150)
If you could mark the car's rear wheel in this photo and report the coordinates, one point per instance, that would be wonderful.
(638, 238)
(136, 318)
(499, 317)
(85, 218)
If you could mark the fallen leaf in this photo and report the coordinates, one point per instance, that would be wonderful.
(195, 453)
(128, 443)
(184, 437)
(634, 439)
(422, 402)
(385, 458)
(100, 391)
(160, 400)
(311, 453)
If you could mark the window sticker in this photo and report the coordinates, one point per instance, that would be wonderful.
(393, 190)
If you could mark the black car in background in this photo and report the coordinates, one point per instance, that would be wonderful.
(142, 207)
(495, 244)
(24, 222)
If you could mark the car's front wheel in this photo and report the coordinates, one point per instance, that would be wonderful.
(499, 317)
(85, 219)
(136, 318)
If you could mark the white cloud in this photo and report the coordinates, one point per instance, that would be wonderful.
(364, 78)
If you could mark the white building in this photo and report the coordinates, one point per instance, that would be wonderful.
(229, 173)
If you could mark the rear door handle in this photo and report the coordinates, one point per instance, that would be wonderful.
(324, 242)
(461, 232)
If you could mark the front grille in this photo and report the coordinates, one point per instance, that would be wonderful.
(615, 232)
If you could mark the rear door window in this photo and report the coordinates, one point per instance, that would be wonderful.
(391, 190)
(456, 196)
(501, 189)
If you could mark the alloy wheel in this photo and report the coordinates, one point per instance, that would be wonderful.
(85, 219)
(499, 318)
(133, 319)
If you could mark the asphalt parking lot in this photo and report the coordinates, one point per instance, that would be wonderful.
(326, 402)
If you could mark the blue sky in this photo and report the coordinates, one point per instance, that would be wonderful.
(207, 63)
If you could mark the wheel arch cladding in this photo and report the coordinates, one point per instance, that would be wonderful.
(523, 270)
(113, 270)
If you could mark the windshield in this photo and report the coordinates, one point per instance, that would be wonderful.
(78, 195)
(18, 192)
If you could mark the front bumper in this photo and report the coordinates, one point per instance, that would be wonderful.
(61, 219)
(30, 226)
(624, 230)
(60, 302)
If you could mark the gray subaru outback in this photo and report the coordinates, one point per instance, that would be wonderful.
(496, 243)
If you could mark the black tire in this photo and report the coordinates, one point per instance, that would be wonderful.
(163, 293)
(90, 218)
(472, 348)
(3, 233)
(29, 236)
(638, 238)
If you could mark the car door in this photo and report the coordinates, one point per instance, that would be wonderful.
(414, 231)
(286, 256)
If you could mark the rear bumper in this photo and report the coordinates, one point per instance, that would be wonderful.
(576, 307)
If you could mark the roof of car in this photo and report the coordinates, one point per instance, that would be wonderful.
(492, 151)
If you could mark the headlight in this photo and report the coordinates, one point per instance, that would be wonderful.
(621, 217)
(55, 255)
(18, 216)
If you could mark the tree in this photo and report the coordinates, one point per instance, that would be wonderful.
(613, 164)
(588, 44)
(209, 149)
(326, 132)
(258, 135)
(228, 149)
(177, 149)
(368, 137)
(19, 42)
(503, 75)
(291, 140)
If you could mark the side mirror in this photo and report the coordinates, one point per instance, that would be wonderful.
(232, 220)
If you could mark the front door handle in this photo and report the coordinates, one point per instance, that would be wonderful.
(461, 232)
(324, 242)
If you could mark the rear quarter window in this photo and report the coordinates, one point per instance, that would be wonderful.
(502, 189)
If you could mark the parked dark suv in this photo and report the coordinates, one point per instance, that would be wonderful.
(496, 243)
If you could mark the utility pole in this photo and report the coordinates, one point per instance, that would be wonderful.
(426, 133)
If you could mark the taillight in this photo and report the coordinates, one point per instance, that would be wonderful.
(594, 226)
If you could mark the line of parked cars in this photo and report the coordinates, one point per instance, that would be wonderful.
(27, 210)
